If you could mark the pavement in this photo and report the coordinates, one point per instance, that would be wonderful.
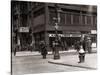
(28, 53)
(72, 60)
(68, 58)
(23, 65)
(23, 62)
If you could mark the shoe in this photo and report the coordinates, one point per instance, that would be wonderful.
(82, 61)
(79, 62)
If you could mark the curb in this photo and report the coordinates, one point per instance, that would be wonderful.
(72, 65)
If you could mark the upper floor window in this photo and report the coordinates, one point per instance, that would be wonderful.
(39, 12)
(83, 19)
(52, 17)
(89, 20)
(94, 20)
(62, 18)
(76, 18)
(68, 18)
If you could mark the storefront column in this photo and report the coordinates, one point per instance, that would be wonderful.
(47, 40)
(18, 42)
(46, 34)
(33, 42)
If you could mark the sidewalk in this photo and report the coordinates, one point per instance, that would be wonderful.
(27, 53)
(72, 60)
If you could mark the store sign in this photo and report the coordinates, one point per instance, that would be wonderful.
(66, 35)
(93, 32)
(75, 35)
(24, 29)
(53, 35)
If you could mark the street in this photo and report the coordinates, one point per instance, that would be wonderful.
(35, 64)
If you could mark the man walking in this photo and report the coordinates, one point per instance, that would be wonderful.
(43, 50)
(89, 45)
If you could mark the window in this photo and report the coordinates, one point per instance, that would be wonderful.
(23, 20)
(39, 12)
(68, 18)
(83, 19)
(52, 18)
(94, 20)
(76, 18)
(89, 20)
(62, 18)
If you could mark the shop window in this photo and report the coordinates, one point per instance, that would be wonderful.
(94, 38)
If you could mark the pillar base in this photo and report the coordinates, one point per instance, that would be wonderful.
(56, 56)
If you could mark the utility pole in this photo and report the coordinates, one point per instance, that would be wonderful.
(57, 20)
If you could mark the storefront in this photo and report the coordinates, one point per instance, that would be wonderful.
(94, 35)
(24, 38)
(67, 40)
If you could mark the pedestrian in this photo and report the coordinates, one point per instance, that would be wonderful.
(81, 53)
(89, 45)
(15, 50)
(43, 50)
(31, 47)
(77, 45)
(84, 45)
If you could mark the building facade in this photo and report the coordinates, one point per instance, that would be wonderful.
(74, 20)
(20, 28)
